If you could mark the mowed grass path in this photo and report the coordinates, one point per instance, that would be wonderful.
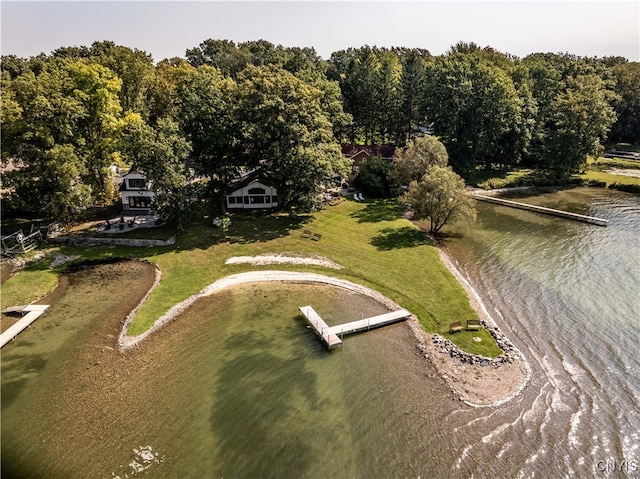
(373, 243)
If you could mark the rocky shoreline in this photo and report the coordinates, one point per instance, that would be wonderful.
(509, 353)
(478, 381)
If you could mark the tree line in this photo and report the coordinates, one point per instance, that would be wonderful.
(491, 110)
(225, 107)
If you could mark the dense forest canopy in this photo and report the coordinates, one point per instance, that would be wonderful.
(225, 107)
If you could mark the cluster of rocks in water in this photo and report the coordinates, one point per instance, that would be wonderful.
(509, 352)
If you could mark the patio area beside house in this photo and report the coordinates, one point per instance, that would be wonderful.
(123, 223)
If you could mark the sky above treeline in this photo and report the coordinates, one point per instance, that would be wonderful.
(167, 29)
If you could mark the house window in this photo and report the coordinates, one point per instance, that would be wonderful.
(246, 200)
(257, 200)
(257, 191)
(267, 199)
(138, 183)
(232, 200)
(356, 168)
(139, 202)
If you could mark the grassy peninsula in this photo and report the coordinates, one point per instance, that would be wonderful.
(373, 243)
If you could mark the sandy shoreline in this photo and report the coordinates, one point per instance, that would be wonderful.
(479, 386)
(126, 342)
(476, 385)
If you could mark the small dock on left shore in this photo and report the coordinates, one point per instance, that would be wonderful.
(30, 312)
(331, 336)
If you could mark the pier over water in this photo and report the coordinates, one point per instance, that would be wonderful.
(331, 335)
(30, 313)
(541, 209)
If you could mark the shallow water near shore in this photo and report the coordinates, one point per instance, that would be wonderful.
(567, 294)
(238, 386)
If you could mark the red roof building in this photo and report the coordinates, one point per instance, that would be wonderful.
(359, 154)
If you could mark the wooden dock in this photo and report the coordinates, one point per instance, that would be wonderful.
(322, 329)
(31, 313)
(331, 335)
(541, 209)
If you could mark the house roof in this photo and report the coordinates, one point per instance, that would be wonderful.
(385, 151)
(123, 184)
(245, 179)
(134, 172)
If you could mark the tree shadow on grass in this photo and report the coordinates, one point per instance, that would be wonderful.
(250, 227)
(260, 227)
(405, 237)
(379, 210)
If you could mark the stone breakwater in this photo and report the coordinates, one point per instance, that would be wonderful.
(509, 352)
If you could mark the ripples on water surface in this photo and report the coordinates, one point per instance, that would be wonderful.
(567, 293)
(239, 387)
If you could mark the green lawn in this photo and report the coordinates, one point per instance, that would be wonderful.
(605, 163)
(609, 178)
(493, 179)
(598, 171)
(29, 285)
(595, 174)
(375, 246)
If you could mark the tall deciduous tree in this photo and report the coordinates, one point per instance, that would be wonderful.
(573, 100)
(411, 163)
(231, 58)
(627, 106)
(162, 93)
(161, 152)
(580, 118)
(285, 131)
(96, 89)
(440, 197)
(204, 100)
(132, 66)
(222, 54)
(69, 108)
(475, 107)
(331, 101)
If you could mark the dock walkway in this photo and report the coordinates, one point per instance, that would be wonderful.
(331, 335)
(541, 209)
(321, 328)
(33, 312)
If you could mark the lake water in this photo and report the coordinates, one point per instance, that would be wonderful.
(239, 386)
(567, 293)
